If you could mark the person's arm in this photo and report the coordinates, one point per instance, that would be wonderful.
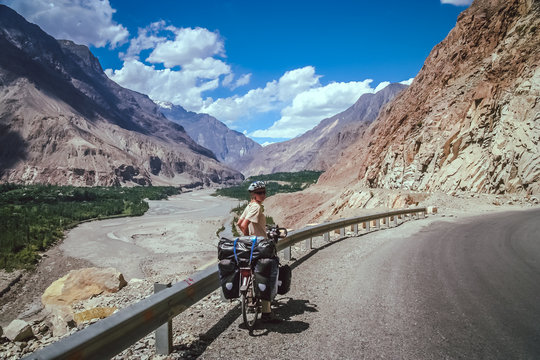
(243, 224)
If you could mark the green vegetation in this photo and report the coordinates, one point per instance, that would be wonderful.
(35, 216)
(283, 182)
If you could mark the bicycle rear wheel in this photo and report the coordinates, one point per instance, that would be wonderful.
(250, 308)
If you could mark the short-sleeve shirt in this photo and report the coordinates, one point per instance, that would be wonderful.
(254, 212)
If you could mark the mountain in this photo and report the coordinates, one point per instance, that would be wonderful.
(63, 121)
(229, 146)
(320, 147)
(471, 119)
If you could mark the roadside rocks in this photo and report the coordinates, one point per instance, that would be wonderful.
(19, 330)
(78, 285)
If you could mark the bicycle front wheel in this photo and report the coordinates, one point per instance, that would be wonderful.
(250, 308)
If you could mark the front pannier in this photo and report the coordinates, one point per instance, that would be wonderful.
(265, 280)
(229, 278)
(284, 280)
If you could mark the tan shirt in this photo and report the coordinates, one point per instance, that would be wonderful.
(254, 212)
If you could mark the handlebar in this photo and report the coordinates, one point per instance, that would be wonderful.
(275, 232)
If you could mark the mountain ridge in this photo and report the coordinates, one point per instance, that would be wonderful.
(229, 146)
(320, 147)
(71, 124)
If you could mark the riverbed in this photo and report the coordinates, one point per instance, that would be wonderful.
(173, 238)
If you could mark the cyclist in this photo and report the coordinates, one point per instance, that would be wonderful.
(253, 222)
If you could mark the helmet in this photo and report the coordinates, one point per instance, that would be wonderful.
(257, 185)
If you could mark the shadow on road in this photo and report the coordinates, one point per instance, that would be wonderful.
(286, 309)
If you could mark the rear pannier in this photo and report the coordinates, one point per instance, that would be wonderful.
(229, 278)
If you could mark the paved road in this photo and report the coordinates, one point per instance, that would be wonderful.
(462, 289)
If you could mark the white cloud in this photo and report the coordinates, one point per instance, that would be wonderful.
(179, 87)
(87, 22)
(382, 85)
(191, 67)
(407, 82)
(311, 106)
(188, 44)
(457, 2)
(273, 97)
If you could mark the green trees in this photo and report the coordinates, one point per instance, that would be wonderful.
(35, 216)
(283, 182)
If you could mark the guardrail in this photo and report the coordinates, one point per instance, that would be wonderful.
(112, 335)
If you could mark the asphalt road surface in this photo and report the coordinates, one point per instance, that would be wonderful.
(457, 289)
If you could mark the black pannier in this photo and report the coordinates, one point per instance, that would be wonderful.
(229, 278)
(284, 280)
(265, 279)
(262, 248)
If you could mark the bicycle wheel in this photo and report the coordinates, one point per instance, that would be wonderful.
(250, 308)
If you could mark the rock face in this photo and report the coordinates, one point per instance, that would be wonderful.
(471, 119)
(63, 121)
(321, 147)
(229, 146)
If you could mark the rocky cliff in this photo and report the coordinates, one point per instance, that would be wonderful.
(63, 121)
(471, 119)
(468, 126)
(321, 147)
(229, 146)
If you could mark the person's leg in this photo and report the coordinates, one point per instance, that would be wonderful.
(266, 306)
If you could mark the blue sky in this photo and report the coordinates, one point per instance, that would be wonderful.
(271, 70)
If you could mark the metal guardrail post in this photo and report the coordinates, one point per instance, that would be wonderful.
(355, 229)
(309, 243)
(342, 232)
(327, 236)
(378, 223)
(395, 220)
(164, 332)
(368, 224)
(287, 253)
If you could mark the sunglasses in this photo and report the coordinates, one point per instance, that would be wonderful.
(260, 192)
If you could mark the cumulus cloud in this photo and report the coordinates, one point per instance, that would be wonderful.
(311, 106)
(273, 97)
(190, 57)
(87, 22)
(457, 2)
(179, 87)
(407, 82)
(232, 84)
(187, 45)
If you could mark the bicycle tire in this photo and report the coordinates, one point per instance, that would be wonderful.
(250, 308)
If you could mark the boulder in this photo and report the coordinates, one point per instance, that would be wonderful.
(19, 330)
(83, 284)
(60, 319)
(77, 285)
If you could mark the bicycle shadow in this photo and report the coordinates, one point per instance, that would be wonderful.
(285, 311)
